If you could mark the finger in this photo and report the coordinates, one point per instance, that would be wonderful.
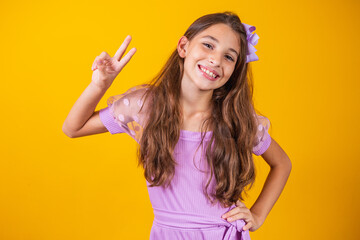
(238, 216)
(232, 212)
(103, 58)
(104, 55)
(102, 62)
(126, 58)
(120, 52)
(94, 65)
(106, 62)
(247, 226)
(240, 204)
(100, 65)
(240, 213)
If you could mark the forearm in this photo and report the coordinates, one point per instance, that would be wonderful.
(83, 108)
(273, 186)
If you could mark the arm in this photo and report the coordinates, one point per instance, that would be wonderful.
(280, 165)
(82, 120)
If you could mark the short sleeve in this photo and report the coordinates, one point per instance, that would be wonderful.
(109, 122)
(262, 137)
(123, 113)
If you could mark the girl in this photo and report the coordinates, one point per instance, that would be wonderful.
(197, 129)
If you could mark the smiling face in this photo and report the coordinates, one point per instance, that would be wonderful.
(210, 57)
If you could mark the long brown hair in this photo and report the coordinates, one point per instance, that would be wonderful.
(233, 123)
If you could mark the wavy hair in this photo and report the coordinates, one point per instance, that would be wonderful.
(233, 123)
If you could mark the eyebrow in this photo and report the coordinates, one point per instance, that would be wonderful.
(212, 38)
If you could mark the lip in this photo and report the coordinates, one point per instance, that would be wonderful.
(211, 70)
(206, 75)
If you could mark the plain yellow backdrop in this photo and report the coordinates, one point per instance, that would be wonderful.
(306, 82)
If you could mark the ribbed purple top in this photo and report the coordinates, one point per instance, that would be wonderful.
(182, 211)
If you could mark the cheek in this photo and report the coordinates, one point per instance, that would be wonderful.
(197, 52)
(229, 71)
(194, 57)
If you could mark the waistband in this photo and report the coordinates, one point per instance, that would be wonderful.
(188, 221)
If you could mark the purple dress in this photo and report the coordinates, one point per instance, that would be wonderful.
(182, 210)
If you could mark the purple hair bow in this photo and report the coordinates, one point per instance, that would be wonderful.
(252, 39)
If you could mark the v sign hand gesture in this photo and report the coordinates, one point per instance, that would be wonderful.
(106, 68)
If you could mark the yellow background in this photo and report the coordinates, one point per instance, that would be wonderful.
(306, 82)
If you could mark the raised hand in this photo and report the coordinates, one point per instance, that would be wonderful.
(106, 68)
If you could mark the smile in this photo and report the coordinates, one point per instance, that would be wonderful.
(207, 73)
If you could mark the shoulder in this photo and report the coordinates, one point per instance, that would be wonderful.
(262, 137)
(129, 110)
(133, 94)
(262, 122)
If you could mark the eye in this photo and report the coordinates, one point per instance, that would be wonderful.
(207, 45)
(230, 58)
(227, 56)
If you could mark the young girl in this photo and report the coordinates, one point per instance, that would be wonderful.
(197, 130)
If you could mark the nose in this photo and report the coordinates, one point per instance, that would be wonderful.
(214, 59)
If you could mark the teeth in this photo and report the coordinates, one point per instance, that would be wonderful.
(208, 72)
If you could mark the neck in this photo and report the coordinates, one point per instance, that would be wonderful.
(195, 102)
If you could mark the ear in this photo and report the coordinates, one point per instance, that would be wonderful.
(182, 46)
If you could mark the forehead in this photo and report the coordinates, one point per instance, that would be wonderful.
(223, 33)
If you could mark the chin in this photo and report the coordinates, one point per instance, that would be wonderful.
(204, 87)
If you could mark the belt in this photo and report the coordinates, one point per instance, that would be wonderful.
(186, 221)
